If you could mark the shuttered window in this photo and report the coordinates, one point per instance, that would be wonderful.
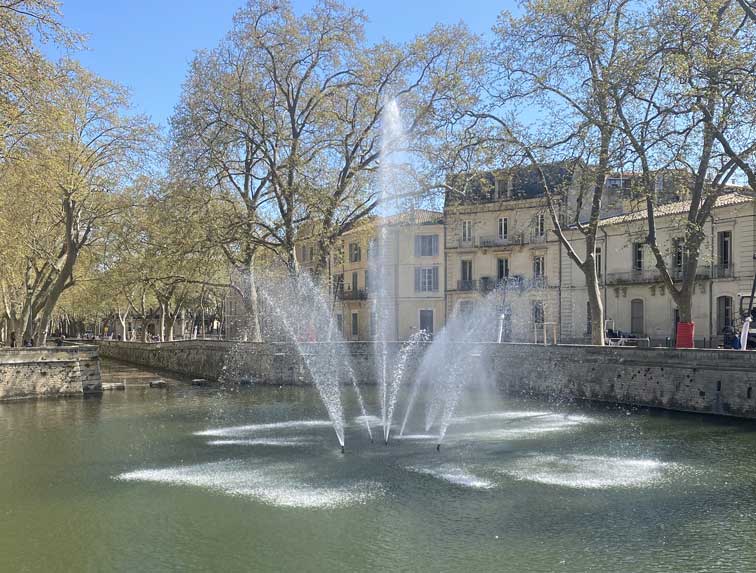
(426, 279)
(426, 245)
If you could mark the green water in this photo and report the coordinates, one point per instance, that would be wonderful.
(167, 480)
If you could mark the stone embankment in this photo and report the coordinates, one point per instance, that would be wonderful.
(694, 380)
(49, 372)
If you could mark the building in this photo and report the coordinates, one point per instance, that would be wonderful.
(635, 299)
(412, 274)
(499, 236)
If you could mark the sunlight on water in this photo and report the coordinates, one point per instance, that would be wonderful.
(455, 475)
(273, 485)
(253, 428)
(279, 442)
(590, 472)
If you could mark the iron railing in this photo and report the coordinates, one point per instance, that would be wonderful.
(359, 294)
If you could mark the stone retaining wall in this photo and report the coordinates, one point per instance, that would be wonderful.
(695, 380)
(48, 371)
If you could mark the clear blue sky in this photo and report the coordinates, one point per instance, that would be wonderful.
(146, 45)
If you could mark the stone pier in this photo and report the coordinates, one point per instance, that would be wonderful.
(48, 372)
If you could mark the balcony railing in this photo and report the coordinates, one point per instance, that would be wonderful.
(633, 277)
(359, 294)
(723, 271)
(535, 238)
(650, 276)
(467, 285)
(497, 241)
(466, 243)
(514, 282)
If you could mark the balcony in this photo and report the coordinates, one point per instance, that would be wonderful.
(470, 243)
(720, 271)
(497, 241)
(651, 276)
(633, 277)
(467, 285)
(537, 239)
(359, 294)
(514, 282)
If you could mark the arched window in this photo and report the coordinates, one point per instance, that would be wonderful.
(724, 313)
(636, 316)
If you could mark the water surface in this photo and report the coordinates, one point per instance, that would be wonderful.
(198, 479)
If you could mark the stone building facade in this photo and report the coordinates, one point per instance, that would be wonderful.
(412, 275)
(635, 299)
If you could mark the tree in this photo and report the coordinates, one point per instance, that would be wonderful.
(554, 66)
(688, 104)
(280, 125)
(65, 185)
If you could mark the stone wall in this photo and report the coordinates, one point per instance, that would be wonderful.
(265, 363)
(48, 371)
(701, 380)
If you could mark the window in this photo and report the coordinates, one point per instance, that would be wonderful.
(373, 323)
(599, 264)
(724, 313)
(538, 267)
(678, 257)
(501, 188)
(502, 268)
(614, 182)
(338, 283)
(540, 225)
(724, 242)
(340, 324)
(355, 325)
(503, 228)
(354, 281)
(467, 271)
(467, 231)
(426, 279)
(637, 256)
(636, 316)
(355, 254)
(367, 284)
(374, 249)
(466, 307)
(538, 314)
(426, 321)
(426, 245)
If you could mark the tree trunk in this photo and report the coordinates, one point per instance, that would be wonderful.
(162, 321)
(596, 303)
(252, 330)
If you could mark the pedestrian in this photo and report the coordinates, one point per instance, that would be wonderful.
(13, 339)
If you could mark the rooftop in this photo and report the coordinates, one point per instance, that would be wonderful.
(677, 208)
(523, 182)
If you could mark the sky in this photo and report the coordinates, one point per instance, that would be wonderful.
(147, 45)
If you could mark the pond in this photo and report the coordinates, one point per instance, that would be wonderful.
(196, 479)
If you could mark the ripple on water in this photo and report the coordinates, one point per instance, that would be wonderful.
(273, 485)
(252, 428)
(456, 475)
(505, 415)
(274, 442)
(530, 427)
(590, 472)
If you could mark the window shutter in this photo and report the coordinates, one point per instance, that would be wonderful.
(435, 279)
(417, 280)
(434, 245)
(418, 245)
